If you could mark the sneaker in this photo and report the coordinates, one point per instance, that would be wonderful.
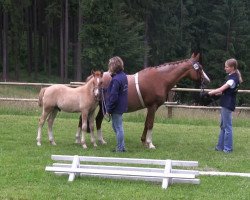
(217, 149)
(118, 151)
(227, 151)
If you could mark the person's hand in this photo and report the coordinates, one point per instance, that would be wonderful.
(205, 95)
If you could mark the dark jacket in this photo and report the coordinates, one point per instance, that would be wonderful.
(117, 101)
(228, 98)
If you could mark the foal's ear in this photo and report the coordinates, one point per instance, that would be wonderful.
(93, 72)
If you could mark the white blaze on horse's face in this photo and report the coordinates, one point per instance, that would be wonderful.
(96, 89)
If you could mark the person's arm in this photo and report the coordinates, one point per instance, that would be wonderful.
(219, 90)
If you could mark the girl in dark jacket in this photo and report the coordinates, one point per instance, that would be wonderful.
(117, 102)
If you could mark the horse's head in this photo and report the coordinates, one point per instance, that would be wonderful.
(97, 82)
(197, 73)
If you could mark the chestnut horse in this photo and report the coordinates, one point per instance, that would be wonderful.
(82, 99)
(149, 88)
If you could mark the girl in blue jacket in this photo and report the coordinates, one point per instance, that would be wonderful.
(228, 93)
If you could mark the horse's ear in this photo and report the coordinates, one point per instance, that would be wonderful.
(93, 72)
(197, 56)
(192, 55)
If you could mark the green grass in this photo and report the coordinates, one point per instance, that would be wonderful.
(188, 136)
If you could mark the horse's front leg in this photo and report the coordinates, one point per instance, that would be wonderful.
(79, 129)
(91, 128)
(146, 137)
(98, 120)
(51, 119)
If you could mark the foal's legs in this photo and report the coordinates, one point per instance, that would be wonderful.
(51, 119)
(146, 137)
(79, 129)
(40, 126)
(99, 119)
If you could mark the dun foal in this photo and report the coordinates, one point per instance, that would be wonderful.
(83, 99)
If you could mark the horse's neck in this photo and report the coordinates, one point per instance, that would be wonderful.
(174, 72)
(88, 86)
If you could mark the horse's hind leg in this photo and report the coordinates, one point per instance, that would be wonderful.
(51, 119)
(40, 126)
(99, 119)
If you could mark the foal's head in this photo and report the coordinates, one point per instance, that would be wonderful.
(197, 73)
(97, 82)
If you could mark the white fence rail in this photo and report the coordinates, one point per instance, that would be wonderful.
(169, 105)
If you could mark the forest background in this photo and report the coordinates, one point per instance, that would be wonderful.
(63, 40)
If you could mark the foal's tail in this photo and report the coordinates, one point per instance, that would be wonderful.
(40, 96)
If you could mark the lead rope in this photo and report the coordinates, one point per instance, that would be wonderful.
(107, 117)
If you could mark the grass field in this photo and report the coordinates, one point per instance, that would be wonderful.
(189, 136)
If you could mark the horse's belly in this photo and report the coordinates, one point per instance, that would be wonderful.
(71, 105)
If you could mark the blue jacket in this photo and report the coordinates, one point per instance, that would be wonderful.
(117, 101)
(228, 98)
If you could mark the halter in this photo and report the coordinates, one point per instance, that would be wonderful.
(97, 98)
(104, 106)
(198, 68)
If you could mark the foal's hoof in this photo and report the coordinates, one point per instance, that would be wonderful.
(53, 143)
(84, 146)
(39, 144)
(102, 142)
(77, 142)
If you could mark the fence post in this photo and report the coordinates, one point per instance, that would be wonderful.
(170, 112)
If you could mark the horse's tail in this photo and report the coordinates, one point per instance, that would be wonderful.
(40, 96)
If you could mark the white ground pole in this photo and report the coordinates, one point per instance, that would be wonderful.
(211, 173)
(165, 174)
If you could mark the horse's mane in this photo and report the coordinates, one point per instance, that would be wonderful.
(172, 63)
(89, 78)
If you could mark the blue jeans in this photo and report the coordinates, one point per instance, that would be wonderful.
(118, 128)
(225, 142)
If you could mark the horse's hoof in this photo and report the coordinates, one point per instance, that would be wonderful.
(151, 146)
(53, 143)
(84, 146)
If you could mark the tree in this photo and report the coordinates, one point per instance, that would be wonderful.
(107, 31)
(5, 43)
